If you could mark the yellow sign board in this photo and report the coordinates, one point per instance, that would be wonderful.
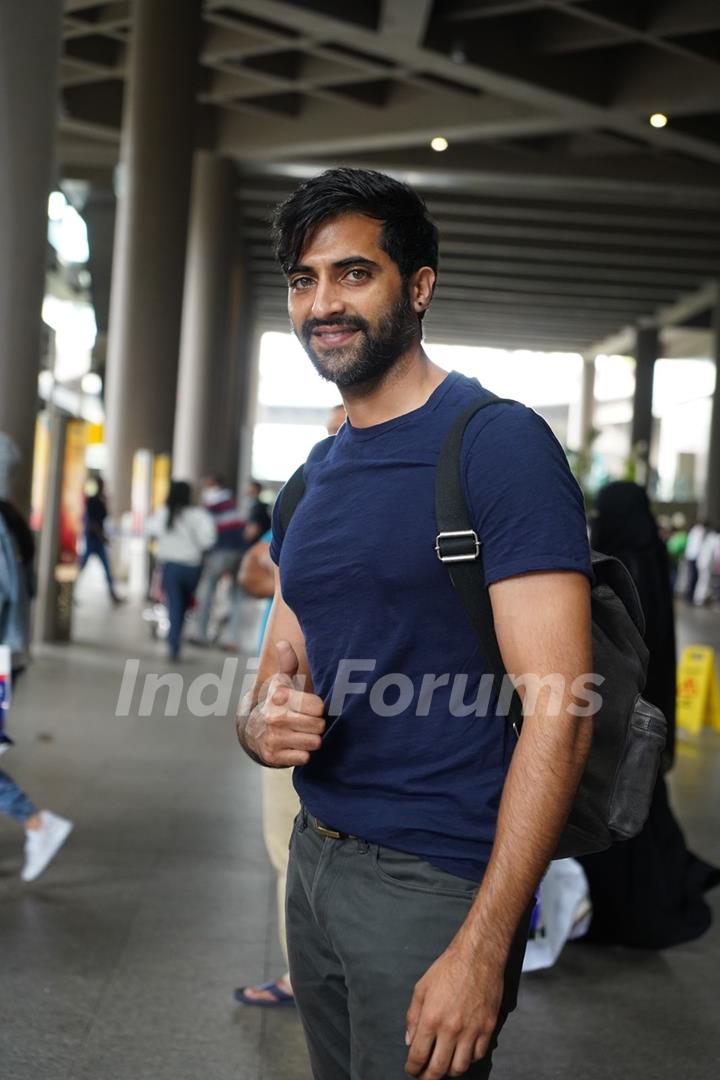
(160, 480)
(698, 695)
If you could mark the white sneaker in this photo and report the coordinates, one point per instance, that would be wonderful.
(43, 844)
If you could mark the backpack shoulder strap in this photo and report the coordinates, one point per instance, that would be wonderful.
(290, 495)
(460, 548)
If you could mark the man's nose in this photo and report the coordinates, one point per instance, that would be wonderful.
(327, 300)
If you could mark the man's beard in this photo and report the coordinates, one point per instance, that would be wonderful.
(370, 355)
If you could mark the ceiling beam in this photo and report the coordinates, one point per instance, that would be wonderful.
(676, 281)
(411, 119)
(669, 317)
(602, 237)
(258, 200)
(469, 10)
(690, 17)
(485, 169)
(697, 241)
(405, 20)
(688, 307)
(489, 219)
(529, 87)
(593, 215)
(528, 253)
(72, 6)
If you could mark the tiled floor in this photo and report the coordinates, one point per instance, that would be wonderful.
(118, 964)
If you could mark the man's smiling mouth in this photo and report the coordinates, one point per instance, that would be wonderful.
(332, 336)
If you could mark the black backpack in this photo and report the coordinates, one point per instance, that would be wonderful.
(614, 795)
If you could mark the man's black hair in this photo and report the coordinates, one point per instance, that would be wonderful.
(408, 236)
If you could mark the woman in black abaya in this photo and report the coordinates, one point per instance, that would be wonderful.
(647, 892)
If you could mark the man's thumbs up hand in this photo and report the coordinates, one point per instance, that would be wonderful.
(288, 663)
(286, 725)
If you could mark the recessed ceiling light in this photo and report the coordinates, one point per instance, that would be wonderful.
(439, 143)
(658, 120)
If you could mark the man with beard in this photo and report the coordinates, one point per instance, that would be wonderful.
(419, 844)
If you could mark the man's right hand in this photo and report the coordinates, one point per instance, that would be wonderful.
(285, 727)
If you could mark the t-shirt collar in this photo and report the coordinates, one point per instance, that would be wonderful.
(372, 432)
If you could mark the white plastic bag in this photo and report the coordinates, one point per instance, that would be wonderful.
(564, 912)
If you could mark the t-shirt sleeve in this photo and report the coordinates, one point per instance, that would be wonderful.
(526, 505)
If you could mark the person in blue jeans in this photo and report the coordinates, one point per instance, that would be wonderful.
(45, 832)
(96, 513)
(185, 532)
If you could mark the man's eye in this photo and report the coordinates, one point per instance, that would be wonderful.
(358, 274)
(301, 283)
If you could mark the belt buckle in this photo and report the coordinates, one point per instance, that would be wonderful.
(325, 831)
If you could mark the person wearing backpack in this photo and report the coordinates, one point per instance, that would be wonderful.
(424, 828)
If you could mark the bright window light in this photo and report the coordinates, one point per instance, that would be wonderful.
(75, 333)
(614, 378)
(294, 400)
(91, 383)
(57, 204)
(534, 378)
(278, 449)
(287, 377)
(677, 382)
(67, 232)
(46, 381)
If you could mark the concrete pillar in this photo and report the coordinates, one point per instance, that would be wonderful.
(711, 499)
(99, 215)
(204, 389)
(646, 352)
(150, 235)
(46, 605)
(241, 335)
(29, 57)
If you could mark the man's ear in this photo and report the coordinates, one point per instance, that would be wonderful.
(422, 286)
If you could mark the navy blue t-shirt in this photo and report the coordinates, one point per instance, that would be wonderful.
(400, 764)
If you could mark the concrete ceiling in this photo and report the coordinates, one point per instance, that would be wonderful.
(564, 215)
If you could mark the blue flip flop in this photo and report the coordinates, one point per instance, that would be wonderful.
(280, 996)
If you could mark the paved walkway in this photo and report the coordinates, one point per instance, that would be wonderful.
(118, 964)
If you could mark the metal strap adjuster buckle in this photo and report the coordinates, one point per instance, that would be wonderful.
(461, 546)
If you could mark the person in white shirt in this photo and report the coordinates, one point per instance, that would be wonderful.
(707, 561)
(692, 551)
(185, 532)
